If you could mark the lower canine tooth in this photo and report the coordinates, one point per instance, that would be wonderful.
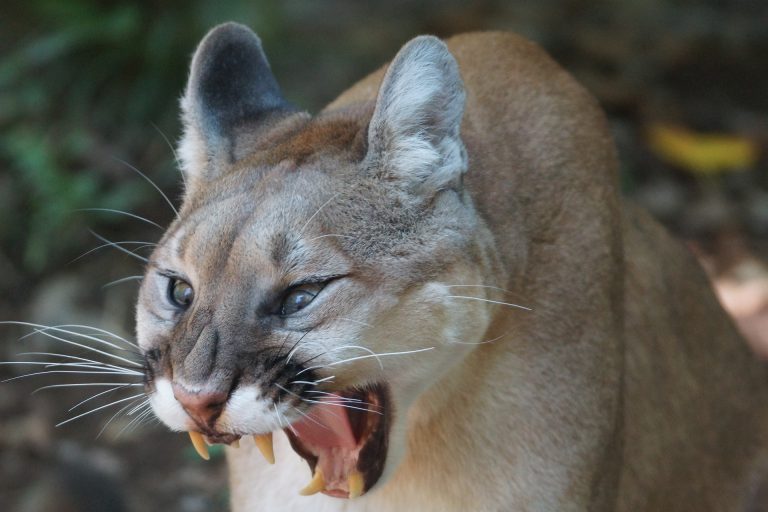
(316, 485)
(199, 443)
(355, 484)
(264, 444)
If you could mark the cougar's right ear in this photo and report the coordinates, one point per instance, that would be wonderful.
(230, 86)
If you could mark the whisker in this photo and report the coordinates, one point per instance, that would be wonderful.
(123, 386)
(331, 235)
(310, 418)
(62, 371)
(116, 246)
(363, 357)
(337, 404)
(112, 418)
(301, 231)
(311, 382)
(76, 358)
(274, 406)
(479, 342)
(135, 422)
(42, 329)
(342, 398)
(173, 152)
(175, 211)
(489, 300)
(97, 384)
(366, 324)
(112, 244)
(296, 346)
(365, 349)
(123, 280)
(51, 364)
(121, 212)
(134, 397)
(97, 329)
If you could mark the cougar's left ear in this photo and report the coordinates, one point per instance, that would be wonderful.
(230, 85)
(413, 137)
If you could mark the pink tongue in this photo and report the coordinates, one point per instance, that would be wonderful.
(327, 426)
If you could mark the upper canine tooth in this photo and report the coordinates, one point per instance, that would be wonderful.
(316, 485)
(199, 443)
(355, 484)
(264, 444)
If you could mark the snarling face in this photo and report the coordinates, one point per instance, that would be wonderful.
(312, 281)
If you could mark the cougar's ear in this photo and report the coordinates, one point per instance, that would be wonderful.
(413, 137)
(230, 85)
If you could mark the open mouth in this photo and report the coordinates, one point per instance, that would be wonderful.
(343, 438)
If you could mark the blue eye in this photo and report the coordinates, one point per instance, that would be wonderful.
(298, 298)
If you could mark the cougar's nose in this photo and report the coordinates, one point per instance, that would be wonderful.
(203, 407)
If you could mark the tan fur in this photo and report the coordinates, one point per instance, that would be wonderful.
(625, 388)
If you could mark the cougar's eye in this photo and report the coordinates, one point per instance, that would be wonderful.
(299, 297)
(180, 293)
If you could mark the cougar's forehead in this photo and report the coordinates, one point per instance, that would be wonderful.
(256, 230)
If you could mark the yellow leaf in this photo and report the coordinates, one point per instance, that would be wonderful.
(702, 153)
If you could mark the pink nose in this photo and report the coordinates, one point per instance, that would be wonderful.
(203, 407)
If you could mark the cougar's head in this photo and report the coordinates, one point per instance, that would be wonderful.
(311, 282)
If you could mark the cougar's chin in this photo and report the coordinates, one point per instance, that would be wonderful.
(344, 438)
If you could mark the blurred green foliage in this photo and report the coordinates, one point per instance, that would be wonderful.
(81, 84)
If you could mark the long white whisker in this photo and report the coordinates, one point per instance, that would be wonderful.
(76, 358)
(103, 428)
(353, 321)
(312, 382)
(135, 422)
(310, 418)
(116, 246)
(301, 231)
(51, 364)
(363, 357)
(121, 212)
(42, 329)
(54, 364)
(331, 235)
(173, 152)
(95, 384)
(62, 371)
(480, 342)
(123, 386)
(339, 397)
(337, 404)
(100, 408)
(97, 329)
(175, 211)
(123, 280)
(364, 349)
(489, 300)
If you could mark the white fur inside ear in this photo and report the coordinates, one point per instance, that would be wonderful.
(414, 132)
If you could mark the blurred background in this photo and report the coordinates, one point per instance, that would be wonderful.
(89, 96)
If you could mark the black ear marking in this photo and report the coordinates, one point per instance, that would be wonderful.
(230, 84)
(231, 80)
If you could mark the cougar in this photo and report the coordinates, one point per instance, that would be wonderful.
(430, 296)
